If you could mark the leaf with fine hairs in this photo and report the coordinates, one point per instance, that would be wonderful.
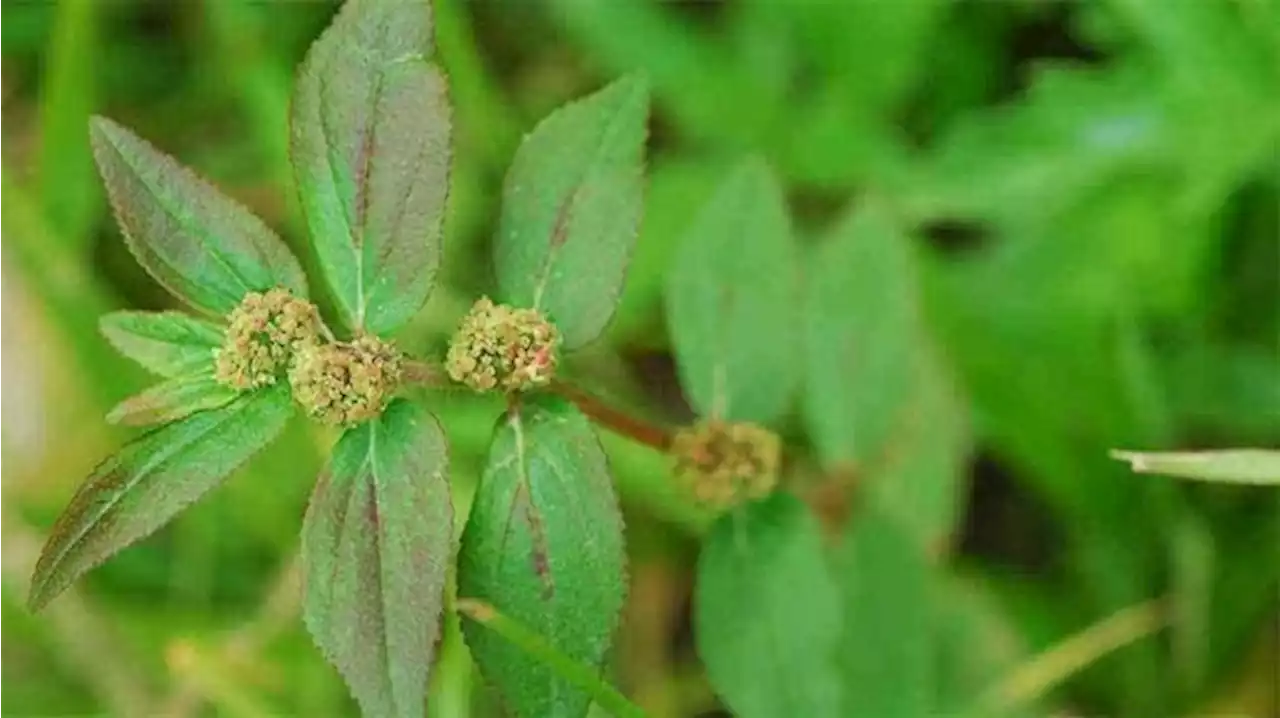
(544, 545)
(166, 343)
(371, 152)
(766, 613)
(731, 301)
(571, 209)
(376, 546)
(154, 477)
(172, 399)
(200, 244)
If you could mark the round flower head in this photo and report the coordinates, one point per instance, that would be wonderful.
(263, 334)
(500, 347)
(726, 463)
(344, 383)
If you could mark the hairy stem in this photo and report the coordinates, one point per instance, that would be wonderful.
(615, 420)
(524, 638)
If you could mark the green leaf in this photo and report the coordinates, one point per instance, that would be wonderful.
(201, 245)
(731, 301)
(544, 546)
(376, 547)
(889, 627)
(1232, 466)
(371, 151)
(767, 612)
(862, 331)
(172, 399)
(154, 477)
(571, 210)
(920, 479)
(166, 343)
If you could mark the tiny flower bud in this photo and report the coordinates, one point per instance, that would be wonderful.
(344, 383)
(500, 347)
(726, 463)
(263, 334)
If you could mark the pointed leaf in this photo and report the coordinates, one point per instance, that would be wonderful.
(154, 477)
(919, 480)
(889, 627)
(166, 343)
(376, 546)
(1232, 466)
(731, 301)
(171, 400)
(544, 546)
(571, 210)
(371, 151)
(200, 244)
(767, 614)
(861, 334)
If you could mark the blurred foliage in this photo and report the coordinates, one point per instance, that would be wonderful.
(1093, 189)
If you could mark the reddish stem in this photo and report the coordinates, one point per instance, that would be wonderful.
(615, 420)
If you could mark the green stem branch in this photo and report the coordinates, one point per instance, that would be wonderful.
(524, 638)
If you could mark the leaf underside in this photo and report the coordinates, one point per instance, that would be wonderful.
(376, 546)
(371, 151)
(571, 208)
(731, 301)
(149, 481)
(204, 247)
(544, 545)
(766, 612)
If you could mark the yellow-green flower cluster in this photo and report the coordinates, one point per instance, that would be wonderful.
(500, 347)
(346, 382)
(263, 335)
(725, 463)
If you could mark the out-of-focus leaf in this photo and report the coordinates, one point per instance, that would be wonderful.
(1232, 466)
(889, 620)
(376, 547)
(862, 334)
(371, 150)
(141, 488)
(203, 246)
(172, 399)
(921, 478)
(571, 209)
(978, 645)
(731, 301)
(67, 185)
(767, 613)
(166, 343)
(544, 545)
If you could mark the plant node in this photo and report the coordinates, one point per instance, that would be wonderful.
(725, 463)
(263, 334)
(346, 382)
(500, 347)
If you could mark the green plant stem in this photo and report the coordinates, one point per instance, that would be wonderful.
(614, 420)
(524, 638)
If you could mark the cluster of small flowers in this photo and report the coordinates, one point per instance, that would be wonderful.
(500, 347)
(725, 463)
(264, 333)
(346, 382)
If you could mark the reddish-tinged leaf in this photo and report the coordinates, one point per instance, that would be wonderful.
(371, 151)
(203, 246)
(571, 210)
(544, 546)
(141, 488)
(171, 400)
(376, 547)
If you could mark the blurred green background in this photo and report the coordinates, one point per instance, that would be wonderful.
(1095, 187)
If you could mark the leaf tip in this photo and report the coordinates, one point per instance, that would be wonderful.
(1135, 460)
